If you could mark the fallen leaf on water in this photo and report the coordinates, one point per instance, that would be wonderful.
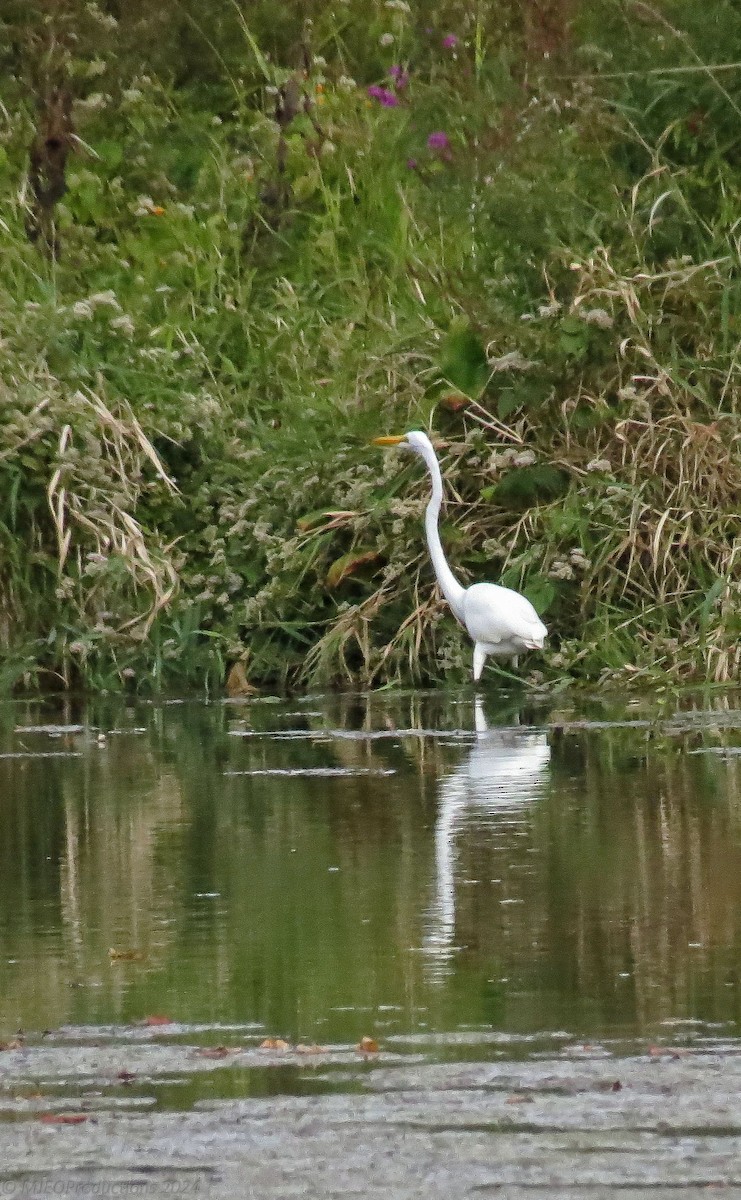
(126, 1076)
(367, 1045)
(63, 1118)
(156, 1020)
(519, 1098)
(125, 955)
(214, 1051)
(668, 1051)
(274, 1044)
(313, 1049)
(617, 1086)
(13, 1044)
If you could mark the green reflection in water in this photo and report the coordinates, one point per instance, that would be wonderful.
(415, 874)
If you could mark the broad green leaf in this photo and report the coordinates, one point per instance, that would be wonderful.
(541, 592)
(463, 359)
(529, 485)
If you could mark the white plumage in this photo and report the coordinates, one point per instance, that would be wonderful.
(500, 621)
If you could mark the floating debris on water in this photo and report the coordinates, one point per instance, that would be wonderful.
(298, 772)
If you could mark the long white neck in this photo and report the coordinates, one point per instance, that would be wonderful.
(451, 589)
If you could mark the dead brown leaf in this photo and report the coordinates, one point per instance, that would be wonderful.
(64, 1118)
(214, 1051)
(126, 955)
(347, 565)
(237, 683)
(302, 1048)
(454, 403)
(274, 1044)
(367, 1045)
(156, 1019)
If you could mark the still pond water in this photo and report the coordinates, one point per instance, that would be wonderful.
(423, 869)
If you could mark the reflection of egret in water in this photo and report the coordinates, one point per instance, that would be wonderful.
(505, 771)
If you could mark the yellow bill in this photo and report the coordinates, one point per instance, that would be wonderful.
(390, 440)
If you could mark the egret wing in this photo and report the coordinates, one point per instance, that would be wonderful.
(494, 615)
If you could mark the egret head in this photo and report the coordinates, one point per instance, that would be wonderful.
(415, 440)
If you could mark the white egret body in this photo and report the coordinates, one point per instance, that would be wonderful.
(501, 622)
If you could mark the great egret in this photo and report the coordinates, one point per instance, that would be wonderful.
(500, 621)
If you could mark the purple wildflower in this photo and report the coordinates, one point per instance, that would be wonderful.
(400, 77)
(412, 164)
(439, 141)
(383, 96)
(450, 41)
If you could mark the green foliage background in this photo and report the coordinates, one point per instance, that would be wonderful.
(245, 295)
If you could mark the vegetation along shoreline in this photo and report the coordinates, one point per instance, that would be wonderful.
(232, 253)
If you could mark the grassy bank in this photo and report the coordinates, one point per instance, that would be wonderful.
(514, 224)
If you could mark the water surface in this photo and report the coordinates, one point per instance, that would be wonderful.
(443, 874)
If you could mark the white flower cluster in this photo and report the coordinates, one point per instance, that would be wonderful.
(513, 360)
(94, 102)
(597, 316)
(578, 559)
(105, 299)
(123, 324)
(511, 457)
(544, 310)
(405, 508)
(143, 206)
(252, 608)
(84, 310)
(562, 568)
(105, 20)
